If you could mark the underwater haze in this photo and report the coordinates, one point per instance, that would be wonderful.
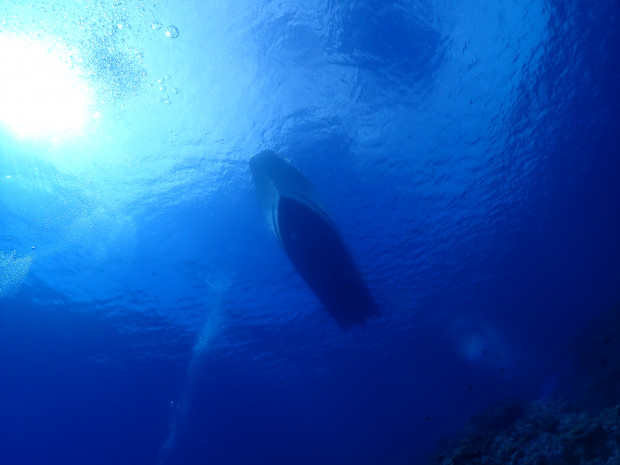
(467, 153)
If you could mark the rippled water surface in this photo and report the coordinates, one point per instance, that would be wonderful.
(468, 154)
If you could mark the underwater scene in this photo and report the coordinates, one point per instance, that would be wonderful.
(309, 232)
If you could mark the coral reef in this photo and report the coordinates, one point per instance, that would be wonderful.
(539, 433)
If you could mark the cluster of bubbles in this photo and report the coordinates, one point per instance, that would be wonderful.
(161, 86)
(13, 271)
(219, 281)
(172, 32)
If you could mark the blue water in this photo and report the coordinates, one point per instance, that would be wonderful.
(468, 154)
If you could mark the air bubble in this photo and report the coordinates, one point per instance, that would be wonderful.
(13, 271)
(172, 32)
(156, 26)
(162, 88)
(219, 281)
(166, 77)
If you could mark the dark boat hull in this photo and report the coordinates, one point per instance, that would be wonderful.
(311, 241)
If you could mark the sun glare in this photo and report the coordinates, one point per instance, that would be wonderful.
(41, 93)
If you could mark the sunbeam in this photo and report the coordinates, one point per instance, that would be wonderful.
(42, 93)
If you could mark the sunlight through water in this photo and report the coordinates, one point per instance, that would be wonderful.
(41, 91)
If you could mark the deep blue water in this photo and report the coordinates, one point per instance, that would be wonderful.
(468, 154)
